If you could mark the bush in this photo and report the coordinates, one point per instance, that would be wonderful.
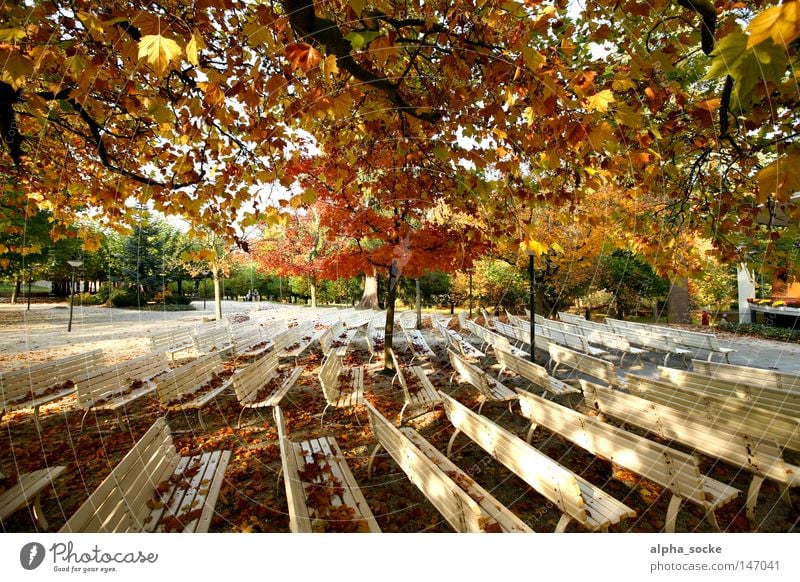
(177, 300)
(124, 298)
(89, 299)
(766, 331)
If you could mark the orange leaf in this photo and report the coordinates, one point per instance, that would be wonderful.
(302, 56)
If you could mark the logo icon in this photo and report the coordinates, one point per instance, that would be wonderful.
(31, 555)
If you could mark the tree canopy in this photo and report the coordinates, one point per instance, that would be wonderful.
(219, 110)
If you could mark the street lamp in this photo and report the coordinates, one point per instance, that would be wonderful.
(532, 278)
(74, 264)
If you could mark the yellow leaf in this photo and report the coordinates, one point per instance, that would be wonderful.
(194, 45)
(329, 66)
(92, 24)
(780, 179)
(781, 23)
(528, 115)
(534, 247)
(159, 51)
(16, 66)
(600, 101)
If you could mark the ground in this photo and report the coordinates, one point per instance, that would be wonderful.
(253, 499)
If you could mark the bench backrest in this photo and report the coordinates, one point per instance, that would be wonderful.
(747, 375)
(469, 372)
(399, 373)
(582, 322)
(610, 340)
(529, 370)
(546, 476)
(26, 383)
(677, 471)
(785, 402)
(120, 502)
(731, 414)
(249, 380)
(299, 520)
(759, 456)
(215, 337)
(99, 385)
(330, 335)
(189, 378)
(458, 508)
(172, 339)
(584, 363)
(329, 378)
(570, 340)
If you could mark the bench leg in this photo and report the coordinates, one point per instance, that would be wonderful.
(530, 432)
(752, 497)
(38, 514)
(480, 406)
(672, 513)
(402, 410)
(711, 518)
(451, 441)
(83, 419)
(200, 419)
(239, 420)
(563, 523)
(120, 420)
(666, 357)
(322, 416)
(36, 422)
(372, 460)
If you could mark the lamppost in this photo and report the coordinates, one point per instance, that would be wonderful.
(74, 264)
(532, 278)
(470, 271)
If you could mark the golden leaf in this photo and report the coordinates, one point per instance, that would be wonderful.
(16, 66)
(600, 101)
(194, 45)
(159, 51)
(781, 23)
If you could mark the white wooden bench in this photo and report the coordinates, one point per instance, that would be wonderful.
(321, 492)
(40, 384)
(330, 377)
(376, 340)
(786, 381)
(768, 389)
(575, 498)
(534, 373)
(117, 386)
(154, 489)
(425, 396)
(28, 491)
(489, 389)
(299, 339)
(494, 340)
(261, 384)
(615, 343)
(583, 323)
(454, 341)
(464, 504)
(213, 337)
(760, 457)
(730, 414)
(416, 343)
(488, 320)
(193, 385)
(693, 340)
(569, 340)
(172, 341)
(249, 341)
(670, 468)
(336, 339)
(584, 364)
(650, 337)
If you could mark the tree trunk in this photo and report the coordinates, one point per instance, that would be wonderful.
(217, 295)
(180, 287)
(312, 284)
(391, 297)
(419, 307)
(369, 299)
(15, 293)
(678, 302)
